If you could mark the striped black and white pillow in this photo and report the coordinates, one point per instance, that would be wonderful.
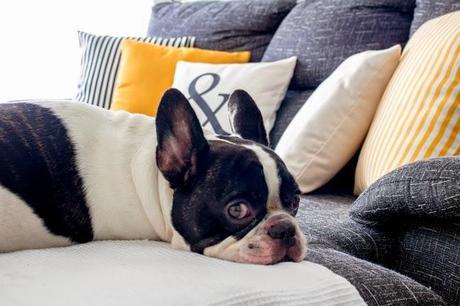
(100, 60)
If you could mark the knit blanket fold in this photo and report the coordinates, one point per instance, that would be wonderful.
(422, 191)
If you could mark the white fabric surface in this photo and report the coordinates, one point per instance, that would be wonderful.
(151, 273)
(331, 126)
(267, 84)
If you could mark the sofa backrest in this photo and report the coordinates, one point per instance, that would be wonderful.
(323, 33)
(429, 9)
(222, 25)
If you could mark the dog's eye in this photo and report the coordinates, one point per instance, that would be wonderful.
(293, 205)
(238, 210)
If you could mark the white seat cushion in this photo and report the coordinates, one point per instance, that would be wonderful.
(151, 273)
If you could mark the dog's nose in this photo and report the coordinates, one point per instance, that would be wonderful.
(284, 231)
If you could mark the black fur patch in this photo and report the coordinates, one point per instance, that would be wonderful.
(246, 119)
(37, 163)
(289, 190)
(227, 172)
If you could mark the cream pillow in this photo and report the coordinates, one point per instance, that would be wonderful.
(208, 87)
(332, 124)
(419, 115)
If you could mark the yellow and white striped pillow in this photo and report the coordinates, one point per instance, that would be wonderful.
(419, 114)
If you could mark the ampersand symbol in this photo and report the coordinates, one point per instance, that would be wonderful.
(208, 112)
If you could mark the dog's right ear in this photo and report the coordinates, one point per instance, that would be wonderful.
(245, 117)
(180, 139)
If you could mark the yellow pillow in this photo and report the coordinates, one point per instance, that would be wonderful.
(419, 114)
(147, 70)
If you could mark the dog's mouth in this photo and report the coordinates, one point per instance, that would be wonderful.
(267, 251)
(277, 239)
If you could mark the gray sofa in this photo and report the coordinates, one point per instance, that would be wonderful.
(408, 254)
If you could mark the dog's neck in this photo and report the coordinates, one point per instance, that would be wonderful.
(153, 188)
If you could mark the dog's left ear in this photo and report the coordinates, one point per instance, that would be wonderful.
(180, 139)
(245, 117)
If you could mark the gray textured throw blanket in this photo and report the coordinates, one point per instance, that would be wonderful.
(408, 222)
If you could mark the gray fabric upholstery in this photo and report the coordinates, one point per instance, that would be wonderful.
(343, 182)
(291, 104)
(325, 222)
(429, 9)
(246, 25)
(323, 33)
(430, 254)
(424, 190)
(377, 285)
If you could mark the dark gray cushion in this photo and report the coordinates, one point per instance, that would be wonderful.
(430, 254)
(323, 33)
(377, 285)
(424, 190)
(218, 25)
(429, 9)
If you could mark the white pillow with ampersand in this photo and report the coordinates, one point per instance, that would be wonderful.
(209, 86)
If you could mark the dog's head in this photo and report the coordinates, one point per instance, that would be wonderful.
(233, 196)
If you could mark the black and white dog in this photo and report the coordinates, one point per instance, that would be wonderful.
(73, 173)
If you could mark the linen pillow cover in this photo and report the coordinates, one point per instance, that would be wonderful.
(100, 60)
(419, 115)
(208, 88)
(147, 70)
(331, 125)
